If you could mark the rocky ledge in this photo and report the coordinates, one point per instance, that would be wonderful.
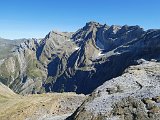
(133, 96)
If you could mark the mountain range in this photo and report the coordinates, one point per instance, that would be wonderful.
(116, 67)
(76, 62)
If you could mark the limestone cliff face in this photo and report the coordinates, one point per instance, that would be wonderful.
(133, 96)
(79, 61)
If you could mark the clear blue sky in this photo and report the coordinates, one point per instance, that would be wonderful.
(35, 18)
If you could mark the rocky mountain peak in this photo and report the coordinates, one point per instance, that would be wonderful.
(114, 28)
(88, 32)
(92, 23)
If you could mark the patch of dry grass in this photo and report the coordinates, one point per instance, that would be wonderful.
(34, 106)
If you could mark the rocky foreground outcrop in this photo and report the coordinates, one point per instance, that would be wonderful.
(77, 62)
(133, 96)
